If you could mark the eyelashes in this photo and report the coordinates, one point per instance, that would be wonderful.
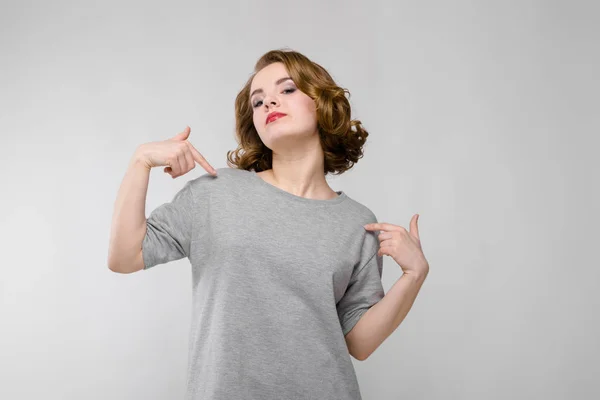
(290, 90)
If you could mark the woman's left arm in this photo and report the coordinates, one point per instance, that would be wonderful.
(382, 319)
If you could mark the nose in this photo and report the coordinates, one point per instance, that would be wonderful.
(270, 101)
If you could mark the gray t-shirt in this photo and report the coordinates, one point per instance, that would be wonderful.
(277, 281)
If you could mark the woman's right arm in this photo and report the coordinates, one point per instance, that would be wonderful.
(129, 225)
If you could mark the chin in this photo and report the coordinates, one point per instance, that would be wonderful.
(282, 140)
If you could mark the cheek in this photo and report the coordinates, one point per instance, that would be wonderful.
(306, 106)
(311, 106)
(309, 110)
(257, 121)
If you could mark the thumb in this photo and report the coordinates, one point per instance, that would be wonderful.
(414, 227)
(183, 135)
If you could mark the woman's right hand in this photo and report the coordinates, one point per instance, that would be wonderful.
(177, 154)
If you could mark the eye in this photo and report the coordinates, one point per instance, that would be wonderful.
(290, 90)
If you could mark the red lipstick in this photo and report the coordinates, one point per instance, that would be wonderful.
(274, 115)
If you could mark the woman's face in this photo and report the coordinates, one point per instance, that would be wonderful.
(270, 91)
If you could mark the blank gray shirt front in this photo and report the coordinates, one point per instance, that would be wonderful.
(277, 281)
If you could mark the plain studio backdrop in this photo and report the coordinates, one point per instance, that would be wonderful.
(483, 118)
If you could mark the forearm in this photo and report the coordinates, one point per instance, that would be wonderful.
(382, 319)
(128, 225)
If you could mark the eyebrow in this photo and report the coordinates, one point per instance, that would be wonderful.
(277, 82)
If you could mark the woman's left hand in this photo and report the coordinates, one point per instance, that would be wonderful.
(402, 245)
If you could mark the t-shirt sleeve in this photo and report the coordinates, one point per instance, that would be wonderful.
(364, 290)
(169, 229)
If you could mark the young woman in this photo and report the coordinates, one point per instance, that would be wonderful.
(286, 271)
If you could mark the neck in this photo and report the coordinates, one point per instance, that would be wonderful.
(301, 174)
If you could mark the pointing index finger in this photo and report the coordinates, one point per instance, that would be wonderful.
(380, 226)
(199, 158)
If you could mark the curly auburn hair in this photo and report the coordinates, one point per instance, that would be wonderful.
(342, 138)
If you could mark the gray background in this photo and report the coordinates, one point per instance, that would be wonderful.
(483, 118)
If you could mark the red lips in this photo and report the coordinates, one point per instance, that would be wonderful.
(274, 115)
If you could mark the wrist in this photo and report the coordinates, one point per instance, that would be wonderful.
(419, 274)
(139, 160)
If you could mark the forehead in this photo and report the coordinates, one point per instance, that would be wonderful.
(268, 75)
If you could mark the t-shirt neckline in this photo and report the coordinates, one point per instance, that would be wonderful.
(336, 200)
